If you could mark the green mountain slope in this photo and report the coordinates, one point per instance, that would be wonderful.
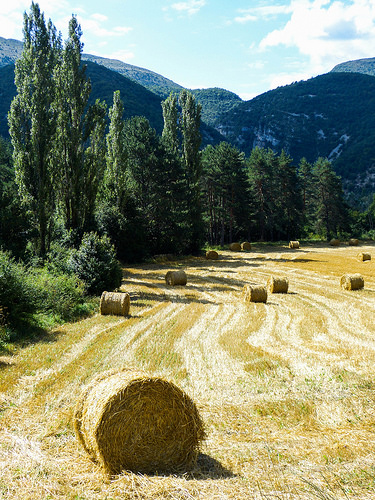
(10, 50)
(365, 66)
(152, 81)
(138, 101)
(214, 101)
(332, 115)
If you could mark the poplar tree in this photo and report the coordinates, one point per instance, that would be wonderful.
(191, 140)
(79, 140)
(32, 122)
(170, 129)
(116, 155)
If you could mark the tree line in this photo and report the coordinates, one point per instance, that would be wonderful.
(72, 169)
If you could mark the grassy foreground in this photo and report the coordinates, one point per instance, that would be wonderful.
(286, 389)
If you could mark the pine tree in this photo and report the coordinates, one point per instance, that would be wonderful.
(331, 215)
(287, 198)
(225, 202)
(260, 169)
(306, 184)
(32, 122)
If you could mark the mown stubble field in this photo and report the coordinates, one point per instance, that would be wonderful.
(286, 389)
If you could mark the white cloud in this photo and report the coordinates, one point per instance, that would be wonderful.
(189, 7)
(94, 26)
(121, 55)
(261, 13)
(327, 32)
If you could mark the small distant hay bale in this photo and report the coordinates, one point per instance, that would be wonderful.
(277, 285)
(364, 256)
(116, 303)
(334, 242)
(293, 244)
(246, 245)
(352, 282)
(255, 293)
(174, 278)
(127, 420)
(212, 255)
(353, 242)
(235, 247)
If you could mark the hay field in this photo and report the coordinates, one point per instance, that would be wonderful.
(286, 389)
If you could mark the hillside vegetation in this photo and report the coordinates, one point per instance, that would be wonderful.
(331, 116)
(365, 66)
(285, 389)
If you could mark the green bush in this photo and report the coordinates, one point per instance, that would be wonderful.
(25, 291)
(58, 294)
(95, 263)
(16, 296)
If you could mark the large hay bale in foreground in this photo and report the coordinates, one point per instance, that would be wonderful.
(277, 285)
(334, 242)
(176, 278)
(116, 303)
(246, 245)
(127, 420)
(212, 255)
(293, 244)
(235, 247)
(352, 282)
(353, 242)
(364, 256)
(255, 293)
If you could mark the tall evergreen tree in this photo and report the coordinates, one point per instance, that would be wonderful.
(331, 214)
(288, 198)
(224, 188)
(32, 121)
(306, 184)
(260, 171)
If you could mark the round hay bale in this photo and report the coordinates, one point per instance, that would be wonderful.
(174, 278)
(293, 244)
(352, 282)
(277, 285)
(353, 242)
(235, 247)
(255, 293)
(116, 303)
(246, 245)
(127, 420)
(364, 256)
(334, 242)
(212, 255)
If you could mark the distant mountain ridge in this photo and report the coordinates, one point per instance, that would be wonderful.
(364, 66)
(213, 101)
(332, 115)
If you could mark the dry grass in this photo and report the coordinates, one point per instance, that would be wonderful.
(286, 389)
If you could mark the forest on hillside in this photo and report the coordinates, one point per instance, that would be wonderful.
(83, 187)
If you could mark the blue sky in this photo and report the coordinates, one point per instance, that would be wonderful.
(246, 46)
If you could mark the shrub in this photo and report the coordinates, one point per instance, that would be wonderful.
(57, 294)
(16, 297)
(96, 265)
